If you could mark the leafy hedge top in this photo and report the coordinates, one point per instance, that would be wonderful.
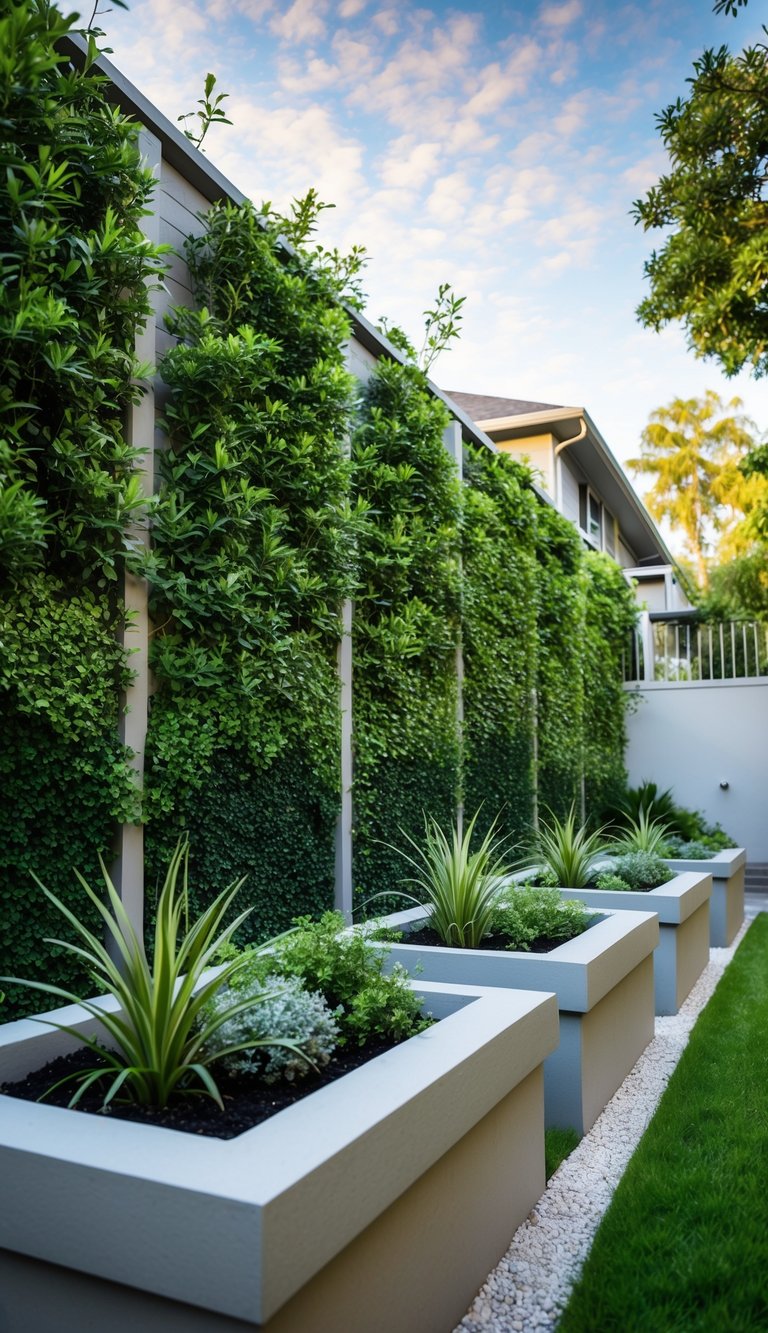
(73, 295)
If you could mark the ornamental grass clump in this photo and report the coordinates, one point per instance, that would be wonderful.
(161, 1041)
(644, 834)
(567, 852)
(459, 886)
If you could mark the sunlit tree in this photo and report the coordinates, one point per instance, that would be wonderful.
(692, 449)
(711, 272)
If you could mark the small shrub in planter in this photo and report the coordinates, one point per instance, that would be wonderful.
(471, 903)
(598, 964)
(179, 1026)
(166, 1033)
(567, 853)
(640, 871)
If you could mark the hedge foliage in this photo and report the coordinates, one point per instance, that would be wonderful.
(75, 269)
(253, 547)
(560, 612)
(406, 623)
(610, 613)
(499, 641)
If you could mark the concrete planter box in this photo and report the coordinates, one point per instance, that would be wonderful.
(387, 1196)
(726, 909)
(682, 905)
(603, 980)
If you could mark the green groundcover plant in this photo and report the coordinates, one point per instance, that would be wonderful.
(639, 871)
(694, 1198)
(342, 966)
(526, 912)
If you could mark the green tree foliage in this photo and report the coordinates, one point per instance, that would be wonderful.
(693, 448)
(74, 292)
(712, 269)
(405, 629)
(738, 589)
(253, 543)
(499, 640)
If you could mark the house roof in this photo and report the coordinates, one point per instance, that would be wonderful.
(483, 407)
(511, 418)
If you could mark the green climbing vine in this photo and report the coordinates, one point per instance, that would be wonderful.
(559, 671)
(609, 615)
(253, 552)
(499, 634)
(75, 273)
(406, 622)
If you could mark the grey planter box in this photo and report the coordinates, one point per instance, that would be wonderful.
(392, 1192)
(682, 905)
(603, 980)
(726, 909)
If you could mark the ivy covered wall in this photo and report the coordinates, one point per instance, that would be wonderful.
(560, 625)
(499, 641)
(253, 543)
(73, 293)
(405, 624)
(610, 612)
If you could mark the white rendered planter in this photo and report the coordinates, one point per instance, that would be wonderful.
(726, 909)
(682, 904)
(603, 980)
(392, 1192)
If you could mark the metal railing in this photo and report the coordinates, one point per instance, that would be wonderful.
(680, 652)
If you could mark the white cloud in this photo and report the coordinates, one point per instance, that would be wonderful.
(408, 163)
(560, 16)
(303, 21)
(573, 114)
(281, 151)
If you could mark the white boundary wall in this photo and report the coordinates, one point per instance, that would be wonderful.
(694, 736)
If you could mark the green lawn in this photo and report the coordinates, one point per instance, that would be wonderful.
(559, 1144)
(684, 1244)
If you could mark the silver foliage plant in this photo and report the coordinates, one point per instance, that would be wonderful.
(290, 1010)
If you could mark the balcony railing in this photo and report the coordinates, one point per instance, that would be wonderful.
(680, 652)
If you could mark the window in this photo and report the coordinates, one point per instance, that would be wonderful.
(594, 519)
(591, 516)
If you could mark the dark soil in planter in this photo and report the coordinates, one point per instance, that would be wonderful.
(246, 1102)
(430, 939)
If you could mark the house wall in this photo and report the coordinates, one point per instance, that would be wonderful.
(626, 557)
(653, 592)
(693, 736)
(570, 480)
(538, 452)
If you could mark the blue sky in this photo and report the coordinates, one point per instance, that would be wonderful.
(495, 146)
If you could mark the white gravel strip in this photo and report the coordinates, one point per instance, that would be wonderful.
(531, 1284)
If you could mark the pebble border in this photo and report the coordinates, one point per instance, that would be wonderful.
(530, 1286)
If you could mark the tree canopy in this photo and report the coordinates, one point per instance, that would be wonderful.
(693, 448)
(711, 273)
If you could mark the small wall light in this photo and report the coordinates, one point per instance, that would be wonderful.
(724, 785)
